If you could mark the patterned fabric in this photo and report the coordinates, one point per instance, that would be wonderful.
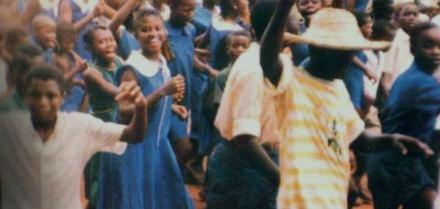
(318, 124)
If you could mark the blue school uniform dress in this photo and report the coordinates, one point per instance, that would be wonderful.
(182, 46)
(354, 81)
(412, 109)
(127, 43)
(147, 175)
(80, 45)
(202, 19)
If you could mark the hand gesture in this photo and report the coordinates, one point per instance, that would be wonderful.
(175, 86)
(131, 92)
(99, 9)
(81, 65)
(407, 143)
(180, 111)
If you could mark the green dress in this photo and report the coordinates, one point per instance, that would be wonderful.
(103, 106)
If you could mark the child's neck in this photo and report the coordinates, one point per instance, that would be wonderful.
(105, 63)
(152, 56)
(44, 129)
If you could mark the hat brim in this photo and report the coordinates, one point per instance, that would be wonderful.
(336, 43)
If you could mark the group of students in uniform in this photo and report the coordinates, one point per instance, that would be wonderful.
(110, 104)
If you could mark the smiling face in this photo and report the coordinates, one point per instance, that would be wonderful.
(45, 36)
(44, 99)
(150, 33)
(427, 51)
(104, 45)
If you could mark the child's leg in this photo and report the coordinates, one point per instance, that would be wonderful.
(422, 200)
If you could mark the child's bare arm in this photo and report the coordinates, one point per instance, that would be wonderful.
(367, 71)
(32, 8)
(122, 15)
(175, 86)
(272, 42)
(67, 16)
(136, 129)
(367, 142)
(93, 76)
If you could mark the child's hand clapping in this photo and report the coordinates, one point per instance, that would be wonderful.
(180, 110)
(131, 92)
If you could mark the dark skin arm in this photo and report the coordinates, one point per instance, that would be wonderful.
(249, 147)
(136, 129)
(272, 42)
(406, 144)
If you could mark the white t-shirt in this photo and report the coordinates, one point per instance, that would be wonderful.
(47, 175)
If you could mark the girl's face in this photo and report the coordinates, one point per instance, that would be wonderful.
(408, 16)
(46, 36)
(128, 75)
(67, 42)
(151, 34)
(367, 28)
(44, 99)
(428, 48)
(104, 45)
(309, 7)
(237, 45)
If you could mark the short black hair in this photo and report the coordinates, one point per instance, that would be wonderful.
(22, 61)
(261, 15)
(383, 9)
(416, 32)
(381, 29)
(45, 72)
(244, 33)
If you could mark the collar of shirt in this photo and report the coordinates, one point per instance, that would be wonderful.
(188, 30)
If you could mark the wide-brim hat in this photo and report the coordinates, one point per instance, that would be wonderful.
(335, 29)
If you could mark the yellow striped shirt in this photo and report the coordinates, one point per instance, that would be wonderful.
(318, 124)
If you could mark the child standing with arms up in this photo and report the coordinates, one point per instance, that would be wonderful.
(149, 176)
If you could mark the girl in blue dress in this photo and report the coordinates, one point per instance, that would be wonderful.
(147, 175)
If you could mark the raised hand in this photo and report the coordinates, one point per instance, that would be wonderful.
(131, 92)
(99, 8)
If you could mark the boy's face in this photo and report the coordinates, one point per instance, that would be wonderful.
(46, 36)
(242, 6)
(309, 7)
(151, 34)
(104, 45)
(408, 16)
(184, 12)
(44, 99)
(428, 49)
(237, 45)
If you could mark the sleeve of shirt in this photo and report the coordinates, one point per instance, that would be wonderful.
(105, 136)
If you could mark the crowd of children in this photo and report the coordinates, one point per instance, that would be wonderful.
(267, 104)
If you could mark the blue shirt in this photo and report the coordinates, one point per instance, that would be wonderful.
(413, 105)
(182, 46)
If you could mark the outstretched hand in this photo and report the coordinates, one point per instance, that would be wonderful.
(131, 92)
(408, 144)
(176, 87)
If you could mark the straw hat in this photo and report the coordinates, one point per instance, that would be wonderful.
(336, 29)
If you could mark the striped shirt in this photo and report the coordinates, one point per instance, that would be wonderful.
(319, 123)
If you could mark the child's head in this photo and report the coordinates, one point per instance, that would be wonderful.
(237, 42)
(182, 11)
(66, 36)
(44, 31)
(425, 45)
(365, 23)
(383, 10)
(150, 31)
(26, 56)
(383, 30)
(233, 8)
(44, 93)
(309, 7)
(101, 43)
(128, 74)
(407, 15)
(15, 37)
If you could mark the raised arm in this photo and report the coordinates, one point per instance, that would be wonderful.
(272, 42)
(32, 8)
(93, 76)
(122, 14)
(66, 14)
(136, 129)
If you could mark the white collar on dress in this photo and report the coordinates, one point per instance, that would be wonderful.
(146, 66)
